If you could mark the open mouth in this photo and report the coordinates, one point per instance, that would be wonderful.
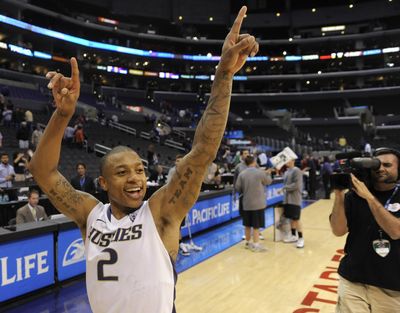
(134, 193)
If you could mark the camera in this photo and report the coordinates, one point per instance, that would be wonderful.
(353, 163)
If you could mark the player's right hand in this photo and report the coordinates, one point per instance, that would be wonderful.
(65, 89)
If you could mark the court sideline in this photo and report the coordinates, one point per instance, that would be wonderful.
(284, 279)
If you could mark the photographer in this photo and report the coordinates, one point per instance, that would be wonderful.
(370, 270)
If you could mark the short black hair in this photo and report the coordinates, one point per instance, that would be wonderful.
(115, 150)
(80, 163)
(243, 150)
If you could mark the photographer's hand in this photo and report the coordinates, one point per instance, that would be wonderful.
(360, 189)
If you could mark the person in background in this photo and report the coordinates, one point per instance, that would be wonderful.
(7, 173)
(251, 183)
(292, 188)
(29, 119)
(172, 170)
(212, 176)
(31, 212)
(20, 165)
(158, 176)
(326, 172)
(79, 136)
(23, 136)
(82, 181)
(36, 136)
(367, 149)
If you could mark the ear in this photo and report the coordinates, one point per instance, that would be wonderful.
(103, 183)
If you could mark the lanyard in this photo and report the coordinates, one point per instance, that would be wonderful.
(391, 197)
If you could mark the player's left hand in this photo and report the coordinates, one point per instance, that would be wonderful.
(360, 189)
(237, 47)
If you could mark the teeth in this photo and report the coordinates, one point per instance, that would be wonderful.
(133, 189)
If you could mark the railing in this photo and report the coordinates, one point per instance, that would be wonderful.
(174, 144)
(122, 127)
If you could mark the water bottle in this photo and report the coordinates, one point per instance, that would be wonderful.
(5, 198)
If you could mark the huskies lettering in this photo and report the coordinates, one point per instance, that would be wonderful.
(121, 234)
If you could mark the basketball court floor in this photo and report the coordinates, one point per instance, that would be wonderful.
(225, 277)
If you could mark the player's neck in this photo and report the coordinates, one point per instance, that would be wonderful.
(121, 213)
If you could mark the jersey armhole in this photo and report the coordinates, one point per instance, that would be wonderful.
(94, 213)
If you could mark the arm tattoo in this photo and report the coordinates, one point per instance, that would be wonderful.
(66, 197)
(183, 180)
(212, 125)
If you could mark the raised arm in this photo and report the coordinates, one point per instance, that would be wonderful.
(44, 163)
(180, 194)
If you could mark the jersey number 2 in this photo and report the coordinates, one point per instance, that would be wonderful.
(100, 266)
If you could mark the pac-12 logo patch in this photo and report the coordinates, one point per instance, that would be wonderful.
(133, 215)
(75, 253)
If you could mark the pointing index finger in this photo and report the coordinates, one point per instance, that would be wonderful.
(238, 21)
(74, 70)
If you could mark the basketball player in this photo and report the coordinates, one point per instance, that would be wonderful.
(131, 245)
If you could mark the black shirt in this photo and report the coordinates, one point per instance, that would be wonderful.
(361, 263)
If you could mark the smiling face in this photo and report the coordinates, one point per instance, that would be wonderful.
(124, 179)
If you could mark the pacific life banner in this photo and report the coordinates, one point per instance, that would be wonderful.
(70, 254)
(26, 265)
(207, 213)
(274, 194)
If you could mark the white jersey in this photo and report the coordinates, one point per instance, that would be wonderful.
(128, 269)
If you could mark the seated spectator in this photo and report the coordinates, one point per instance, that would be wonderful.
(69, 135)
(31, 212)
(212, 176)
(158, 176)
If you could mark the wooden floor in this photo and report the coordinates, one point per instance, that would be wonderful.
(284, 279)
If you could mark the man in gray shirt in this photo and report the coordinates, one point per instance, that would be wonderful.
(251, 182)
(293, 186)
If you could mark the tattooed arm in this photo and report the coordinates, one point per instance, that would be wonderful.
(44, 163)
(171, 203)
